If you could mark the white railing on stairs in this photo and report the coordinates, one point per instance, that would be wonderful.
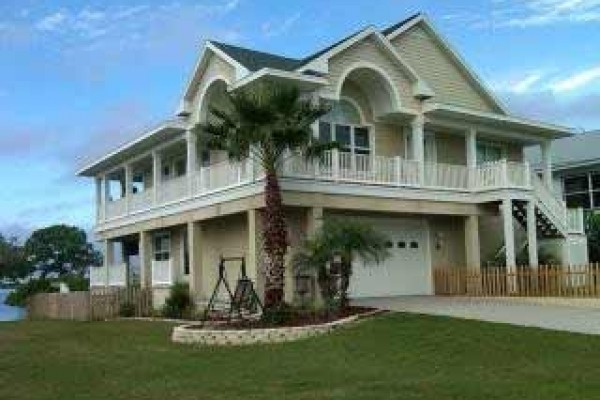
(555, 208)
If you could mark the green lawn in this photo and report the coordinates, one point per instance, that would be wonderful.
(394, 356)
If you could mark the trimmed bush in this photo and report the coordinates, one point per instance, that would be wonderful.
(179, 304)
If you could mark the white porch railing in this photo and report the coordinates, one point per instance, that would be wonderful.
(116, 208)
(162, 273)
(98, 276)
(575, 220)
(446, 176)
(141, 200)
(222, 175)
(117, 275)
(173, 189)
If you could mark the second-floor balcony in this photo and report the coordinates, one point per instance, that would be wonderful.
(334, 167)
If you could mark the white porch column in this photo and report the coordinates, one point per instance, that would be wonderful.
(156, 167)
(145, 254)
(509, 234)
(472, 246)
(105, 195)
(471, 152)
(194, 237)
(418, 144)
(253, 260)
(532, 235)
(108, 258)
(509, 244)
(546, 148)
(192, 159)
(128, 187)
(99, 202)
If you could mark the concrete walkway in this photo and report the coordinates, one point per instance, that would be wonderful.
(510, 311)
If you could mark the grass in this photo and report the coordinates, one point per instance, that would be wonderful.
(394, 356)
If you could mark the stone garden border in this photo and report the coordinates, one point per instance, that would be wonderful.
(190, 334)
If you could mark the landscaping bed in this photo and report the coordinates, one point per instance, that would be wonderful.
(298, 325)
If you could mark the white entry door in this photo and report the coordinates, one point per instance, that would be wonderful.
(405, 272)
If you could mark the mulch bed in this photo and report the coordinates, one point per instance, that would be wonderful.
(294, 319)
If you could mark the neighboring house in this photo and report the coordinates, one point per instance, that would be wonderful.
(576, 169)
(430, 157)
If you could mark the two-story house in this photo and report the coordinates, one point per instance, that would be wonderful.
(429, 156)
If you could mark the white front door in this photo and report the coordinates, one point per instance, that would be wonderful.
(405, 272)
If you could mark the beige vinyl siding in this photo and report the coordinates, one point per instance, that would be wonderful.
(226, 236)
(424, 53)
(216, 67)
(514, 152)
(447, 238)
(389, 140)
(369, 51)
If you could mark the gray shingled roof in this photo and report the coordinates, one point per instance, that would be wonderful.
(254, 60)
(582, 148)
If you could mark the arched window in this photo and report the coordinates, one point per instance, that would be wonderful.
(344, 124)
(344, 112)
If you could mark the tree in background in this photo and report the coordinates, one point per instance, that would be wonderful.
(13, 265)
(60, 250)
(266, 123)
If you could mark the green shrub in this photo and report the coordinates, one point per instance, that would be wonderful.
(179, 303)
(19, 296)
(127, 310)
(76, 283)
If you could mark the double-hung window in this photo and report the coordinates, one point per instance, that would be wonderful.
(162, 246)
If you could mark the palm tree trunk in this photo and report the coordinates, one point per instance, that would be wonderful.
(275, 242)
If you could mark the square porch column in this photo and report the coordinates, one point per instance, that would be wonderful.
(128, 187)
(471, 152)
(509, 245)
(194, 237)
(192, 159)
(253, 262)
(156, 167)
(472, 246)
(418, 144)
(546, 148)
(532, 245)
(108, 257)
(509, 234)
(145, 254)
(99, 199)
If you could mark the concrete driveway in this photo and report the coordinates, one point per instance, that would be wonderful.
(510, 311)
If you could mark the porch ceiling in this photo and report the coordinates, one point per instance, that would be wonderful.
(152, 138)
(528, 130)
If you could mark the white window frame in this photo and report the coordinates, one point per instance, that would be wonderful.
(485, 143)
(155, 251)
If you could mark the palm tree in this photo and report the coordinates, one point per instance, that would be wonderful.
(344, 239)
(266, 123)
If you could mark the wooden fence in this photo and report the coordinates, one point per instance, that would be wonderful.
(544, 281)
(97, 304)
(73, 306)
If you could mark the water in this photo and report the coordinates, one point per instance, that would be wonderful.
(8, 313)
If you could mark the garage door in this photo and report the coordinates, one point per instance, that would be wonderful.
(405, 272)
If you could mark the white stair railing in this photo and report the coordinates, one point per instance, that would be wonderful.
(555, 208)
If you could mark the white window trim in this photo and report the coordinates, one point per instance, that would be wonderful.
(155, 251)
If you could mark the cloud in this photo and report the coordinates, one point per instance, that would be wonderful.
(279, 27)
(51, 22)
(529, 13)
(581, 112)
(577, 81)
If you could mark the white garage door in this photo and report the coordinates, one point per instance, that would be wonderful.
(405, 272)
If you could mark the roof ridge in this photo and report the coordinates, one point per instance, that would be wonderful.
(392, 28)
